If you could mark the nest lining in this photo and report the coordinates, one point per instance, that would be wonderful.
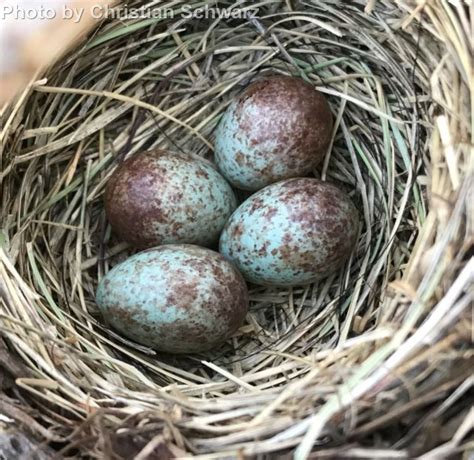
(362, 336)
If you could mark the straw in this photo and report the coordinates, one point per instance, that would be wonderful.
(372, 362)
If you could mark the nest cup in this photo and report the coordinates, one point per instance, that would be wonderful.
(372, 362)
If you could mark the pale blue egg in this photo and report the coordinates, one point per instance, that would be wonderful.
(174, 298)
(158, 197)
(291, 233)
(278, 127)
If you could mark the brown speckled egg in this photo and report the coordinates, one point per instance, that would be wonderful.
(158, 197)
(291, 233)
(277, 128)
(175, 298)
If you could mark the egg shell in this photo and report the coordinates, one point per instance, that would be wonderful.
(158, 197)
(174, 298)
(291, 233)
(277, 128)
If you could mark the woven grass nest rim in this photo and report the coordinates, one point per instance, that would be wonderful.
(373, 362)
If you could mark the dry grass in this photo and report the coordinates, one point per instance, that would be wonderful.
(374, 362)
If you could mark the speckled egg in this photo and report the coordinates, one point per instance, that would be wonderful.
(158, 197)
(291, 233)
(174, 298)
(277, 128)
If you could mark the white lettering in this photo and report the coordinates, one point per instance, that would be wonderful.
(50, 13)
(31, 14)
(78, 14)
(186, 12)
(67, 12)
(5, 11)
(97, 12)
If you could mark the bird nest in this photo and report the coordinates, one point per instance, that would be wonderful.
(371, 362)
